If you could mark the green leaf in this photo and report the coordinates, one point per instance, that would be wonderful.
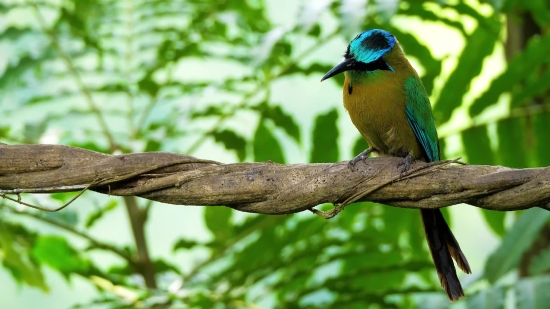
(25, 63)
(33, 131)
(442, 147)
(315, 31)
(512, 142)
(14, 33)
(89, 145)
(231, 141)
(4, 131)
(534, 87)
(218, 221)
(541, 127)
(152, 145)
(162, 266)
(540, 263)
(56, 252)
(397, 221)
(4, 8)
(123, 269)
(267, 46)
(77, 22)
(209, 111)
(490, 23)
(540, 11)
(532, 293)
(491, 298)
(325, 138)
(519, 68)
(15, 246)
(495, 220)
(184, 243)
(477, 146)
(480, 43)
(518, 239)
(281, 119)
(65, 216)
(149, 86)
(93, 217)
(421, 12)
(266, 146)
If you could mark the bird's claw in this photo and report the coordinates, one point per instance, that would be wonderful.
(406, 163)
(360, 157)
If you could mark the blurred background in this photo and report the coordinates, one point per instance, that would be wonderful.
(237, 81)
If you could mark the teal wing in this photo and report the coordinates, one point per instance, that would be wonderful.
(420, 117)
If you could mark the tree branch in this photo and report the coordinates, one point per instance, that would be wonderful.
(268, 188)
(137, 219)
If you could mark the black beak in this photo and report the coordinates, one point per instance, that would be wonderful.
(345, 65)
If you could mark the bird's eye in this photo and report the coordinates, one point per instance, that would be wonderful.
(378, 64)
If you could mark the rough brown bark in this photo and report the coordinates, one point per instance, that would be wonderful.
(267, 188)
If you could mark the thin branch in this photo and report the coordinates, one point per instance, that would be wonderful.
(137, 220)
(18, 200)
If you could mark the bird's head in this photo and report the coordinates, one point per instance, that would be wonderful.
(365, 53)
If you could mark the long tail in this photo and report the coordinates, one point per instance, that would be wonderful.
(443, 246)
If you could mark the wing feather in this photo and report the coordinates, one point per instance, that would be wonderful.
(420, 117)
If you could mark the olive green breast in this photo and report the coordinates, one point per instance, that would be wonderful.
(376, 105)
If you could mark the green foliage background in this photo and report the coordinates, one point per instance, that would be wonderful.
(238, 81)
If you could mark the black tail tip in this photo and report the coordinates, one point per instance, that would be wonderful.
(452, 288)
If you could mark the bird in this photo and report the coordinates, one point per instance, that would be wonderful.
(389, 106)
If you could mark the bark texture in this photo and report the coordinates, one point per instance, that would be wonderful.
(268, 188)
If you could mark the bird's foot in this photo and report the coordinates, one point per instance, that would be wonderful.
(360, 157)
(406, 163)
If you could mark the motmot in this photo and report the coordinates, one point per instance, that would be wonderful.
(390, 107)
